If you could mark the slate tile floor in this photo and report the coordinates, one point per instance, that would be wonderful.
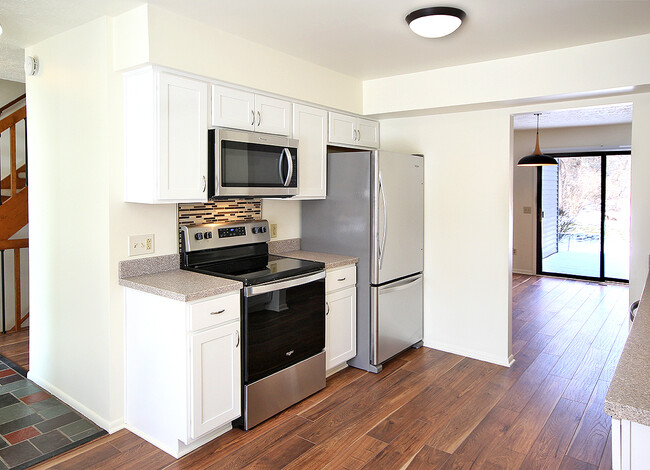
(34, 425)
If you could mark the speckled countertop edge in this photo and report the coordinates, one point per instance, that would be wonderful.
(331, 261)
(185, 286)
(628, 396)
(279, 247)
(150, 265)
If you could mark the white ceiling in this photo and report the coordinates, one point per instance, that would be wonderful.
(362, 38)
(590, 116)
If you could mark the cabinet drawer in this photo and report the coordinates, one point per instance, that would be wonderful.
(339, 278)
(214, 312)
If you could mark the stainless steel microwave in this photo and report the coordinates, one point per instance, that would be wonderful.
(244, 163)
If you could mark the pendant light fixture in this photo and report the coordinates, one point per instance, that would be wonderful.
(435, 22)
(537, 158)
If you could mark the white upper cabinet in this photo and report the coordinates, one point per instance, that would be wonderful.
(239, 109)
(367, 133)
(233, 108)
(352, 130)
(166, 137)
(310, 128)
(272, 115)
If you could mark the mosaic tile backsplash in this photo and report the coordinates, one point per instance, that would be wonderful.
(225, 210)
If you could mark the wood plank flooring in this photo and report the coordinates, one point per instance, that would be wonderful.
(15, 347)
(434, 410)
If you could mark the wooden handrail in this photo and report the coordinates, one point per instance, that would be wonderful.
(11, 103)
(13, 118)
(14, 244)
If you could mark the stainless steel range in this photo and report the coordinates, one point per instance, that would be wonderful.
(283, 313)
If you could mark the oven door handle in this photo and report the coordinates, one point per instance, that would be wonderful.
(283, 284)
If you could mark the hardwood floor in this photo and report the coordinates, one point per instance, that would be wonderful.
(434, 410)
(15, 347)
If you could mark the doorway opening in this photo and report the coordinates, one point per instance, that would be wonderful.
(583, 223)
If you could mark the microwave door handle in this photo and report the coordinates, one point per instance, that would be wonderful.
(287, 152)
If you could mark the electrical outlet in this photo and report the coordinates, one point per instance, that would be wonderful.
(528, 210)
(274, 230)
(514, 251)
(141, 244)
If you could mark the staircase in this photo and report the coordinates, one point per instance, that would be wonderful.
(13, 208)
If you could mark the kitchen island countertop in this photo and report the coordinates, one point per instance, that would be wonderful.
(628, 396)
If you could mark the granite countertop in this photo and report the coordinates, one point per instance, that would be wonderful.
(185, 286)
(331, 261)
(629, 393)
(161, 275)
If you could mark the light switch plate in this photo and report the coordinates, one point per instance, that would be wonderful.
(141, 244)
(274, 230)
(528, 210)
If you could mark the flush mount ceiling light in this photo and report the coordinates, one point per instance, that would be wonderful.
(435, 22)
(537, 158)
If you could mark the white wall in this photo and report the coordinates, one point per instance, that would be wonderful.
(69, 139)
(467, 196)
(525, 179)
(576, 72)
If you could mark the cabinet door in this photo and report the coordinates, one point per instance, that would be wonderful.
(341, 326)
(368, 133)
(310, 128)
(342, 129)
(272, 116)
(233, 108)
(182, 139)
(215, 395)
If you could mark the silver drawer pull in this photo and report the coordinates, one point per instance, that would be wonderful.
(217, 313)
(327, 306)
(341, 279)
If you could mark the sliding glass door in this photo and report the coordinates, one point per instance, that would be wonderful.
(584, 216)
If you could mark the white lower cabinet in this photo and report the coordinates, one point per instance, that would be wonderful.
(341, 317)
(215, 396)
(183, 374)
(630, 449)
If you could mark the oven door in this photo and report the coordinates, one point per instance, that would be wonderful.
(283, 323)
(254, 164)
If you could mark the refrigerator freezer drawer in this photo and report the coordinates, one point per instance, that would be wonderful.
(396, 317)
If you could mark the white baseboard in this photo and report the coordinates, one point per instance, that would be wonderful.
(68, 400)
(523, 271)
(178, 449)
(472, 353)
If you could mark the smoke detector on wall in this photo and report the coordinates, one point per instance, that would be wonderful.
(31, 65)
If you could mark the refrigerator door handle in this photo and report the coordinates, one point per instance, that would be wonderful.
(405, 284)
(382, 245)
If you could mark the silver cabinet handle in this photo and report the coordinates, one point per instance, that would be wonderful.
(354, 135)
(259, 118)
(203, 184)
(217, 313)
(358, 135)
(341, 279)
(237, 333)
(253, 117)
(327, 308)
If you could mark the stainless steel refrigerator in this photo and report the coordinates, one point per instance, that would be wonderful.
(374, 211)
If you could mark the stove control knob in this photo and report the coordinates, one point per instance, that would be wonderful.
(208, 235)
(198, 236)
(263, 229)
(256, 229)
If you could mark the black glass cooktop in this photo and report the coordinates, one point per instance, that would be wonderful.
(258, 269)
